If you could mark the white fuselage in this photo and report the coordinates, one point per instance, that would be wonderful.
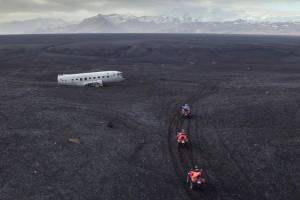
(92, 78)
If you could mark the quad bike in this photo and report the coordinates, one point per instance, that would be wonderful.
(195, 179)
(185, 111)
(182, 139)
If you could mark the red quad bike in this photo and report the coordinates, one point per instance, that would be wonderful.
(195, 179)
(182, 139)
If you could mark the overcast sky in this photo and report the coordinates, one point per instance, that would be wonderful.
(211, 10)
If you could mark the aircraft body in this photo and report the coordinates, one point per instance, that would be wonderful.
(93, 79)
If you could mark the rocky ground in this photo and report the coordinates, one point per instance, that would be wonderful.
(245, 133)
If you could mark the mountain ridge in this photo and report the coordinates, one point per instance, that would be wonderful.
(116, 23)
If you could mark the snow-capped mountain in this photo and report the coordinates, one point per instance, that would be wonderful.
(165, 24)
(116, 23)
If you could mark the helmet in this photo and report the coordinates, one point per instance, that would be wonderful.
(182, 130)
(196, 167)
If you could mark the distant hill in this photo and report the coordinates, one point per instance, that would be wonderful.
(116, 23)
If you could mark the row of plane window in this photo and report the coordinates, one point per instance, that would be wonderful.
(81, 79)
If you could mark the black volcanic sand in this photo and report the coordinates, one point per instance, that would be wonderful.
(244, 92)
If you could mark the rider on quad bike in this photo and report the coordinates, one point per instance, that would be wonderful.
(186, 111)
(195, 178)
(182, 138)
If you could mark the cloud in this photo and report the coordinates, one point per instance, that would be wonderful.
(205, 9)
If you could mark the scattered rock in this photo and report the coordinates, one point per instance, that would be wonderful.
(100, 123)
(75, 140)
(110, 124)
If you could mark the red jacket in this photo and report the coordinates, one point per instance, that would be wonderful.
(195, 175)
(182, 137)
